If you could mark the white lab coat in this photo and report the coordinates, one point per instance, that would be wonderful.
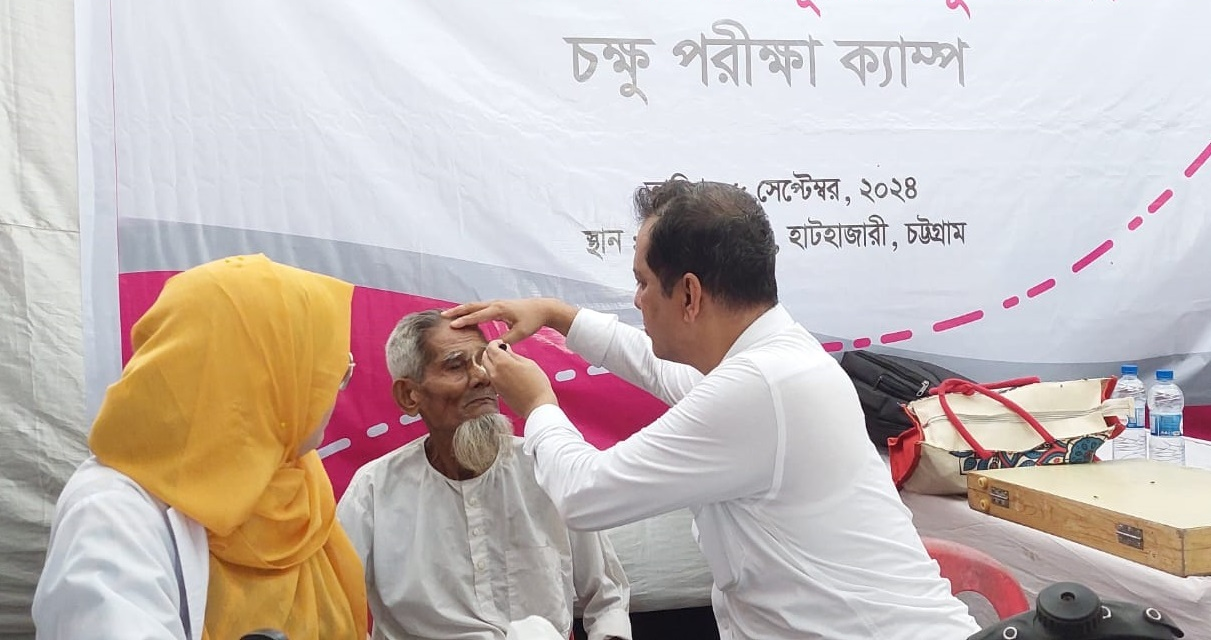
(121, 564)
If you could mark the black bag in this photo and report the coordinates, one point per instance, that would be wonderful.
(885, 384)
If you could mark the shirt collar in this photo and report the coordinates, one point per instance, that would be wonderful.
(776, 320)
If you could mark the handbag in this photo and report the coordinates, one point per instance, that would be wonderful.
(965, 426)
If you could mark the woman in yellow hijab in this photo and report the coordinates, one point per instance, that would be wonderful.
(204, 512)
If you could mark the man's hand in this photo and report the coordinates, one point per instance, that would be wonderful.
(524, 316)
(518, 380)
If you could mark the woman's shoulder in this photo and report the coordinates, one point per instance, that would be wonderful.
(93, 480)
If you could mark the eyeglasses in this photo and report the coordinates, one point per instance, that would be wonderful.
(478, 358)
(348, 373)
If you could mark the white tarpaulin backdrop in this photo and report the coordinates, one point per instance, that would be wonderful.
(1006, 188)
(1050, 151)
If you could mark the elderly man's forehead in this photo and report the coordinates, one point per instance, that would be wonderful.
(446, 339)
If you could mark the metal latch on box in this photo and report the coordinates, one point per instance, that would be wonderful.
(1129, 535)
(1000, 497)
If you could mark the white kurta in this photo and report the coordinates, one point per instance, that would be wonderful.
(461, 559)
(794, 509)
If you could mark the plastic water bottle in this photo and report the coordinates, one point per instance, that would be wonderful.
(1165, 404)
(1133, 441)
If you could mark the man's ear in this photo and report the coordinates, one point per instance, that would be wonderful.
(691, 297)
(407, 396)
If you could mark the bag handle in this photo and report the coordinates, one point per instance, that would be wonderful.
(967, 388)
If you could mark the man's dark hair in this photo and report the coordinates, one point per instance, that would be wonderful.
(715, 231)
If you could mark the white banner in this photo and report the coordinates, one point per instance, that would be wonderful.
(1004, 187)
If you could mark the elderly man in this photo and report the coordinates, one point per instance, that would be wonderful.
(457, 538)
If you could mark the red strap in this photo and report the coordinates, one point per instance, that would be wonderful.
(954, 385)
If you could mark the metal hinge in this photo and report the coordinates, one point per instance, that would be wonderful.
(1129, 535)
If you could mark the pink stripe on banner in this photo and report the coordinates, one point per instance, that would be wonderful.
(958, 321)
(366, 423)
(896, 336)
(1196, 422)
(1040, 288)
(1135, 223)
(861, 343)
(1092, 255)
(1198, 162)
(1160, 201)
(136, 292)
(832, 347)
(1010, 302)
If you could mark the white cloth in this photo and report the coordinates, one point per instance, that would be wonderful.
(533, 628)
(121, 565)
(663, 564)
(447, 558)
(794, 510)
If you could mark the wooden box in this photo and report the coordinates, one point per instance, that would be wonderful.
(1153, 513)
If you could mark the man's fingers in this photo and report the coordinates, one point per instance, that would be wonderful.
(464, 309)
(475, 313)
(515, 334)
(496, 349)
(490, 357)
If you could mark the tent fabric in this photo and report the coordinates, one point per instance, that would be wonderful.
(42, 428)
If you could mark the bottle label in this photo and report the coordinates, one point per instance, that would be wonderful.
(1167, 425)
(1136, 420)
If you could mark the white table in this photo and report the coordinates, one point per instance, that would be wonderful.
(1040, 559)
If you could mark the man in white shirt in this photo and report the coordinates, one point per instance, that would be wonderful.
(457, 538)
(765, 442)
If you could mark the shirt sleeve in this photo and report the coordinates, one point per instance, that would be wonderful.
(720, 442)
(627, 353)
(110, 573)
(602, 589)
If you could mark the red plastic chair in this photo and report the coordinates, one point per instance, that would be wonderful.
(971, 570)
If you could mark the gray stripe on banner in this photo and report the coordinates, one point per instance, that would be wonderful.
(152, 245)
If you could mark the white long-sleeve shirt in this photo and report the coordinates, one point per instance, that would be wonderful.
(121, 565)
(803, 530)
(461, 559)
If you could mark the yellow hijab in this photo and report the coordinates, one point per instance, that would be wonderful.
(235, 364)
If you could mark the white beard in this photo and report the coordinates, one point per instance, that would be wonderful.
(479, 441)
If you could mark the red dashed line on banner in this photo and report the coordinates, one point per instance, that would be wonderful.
(1198, 162)
(1043, 287)
(958, 321)
(1160, 201)
(1092, 255)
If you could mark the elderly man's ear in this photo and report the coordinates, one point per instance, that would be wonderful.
(405, 393)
